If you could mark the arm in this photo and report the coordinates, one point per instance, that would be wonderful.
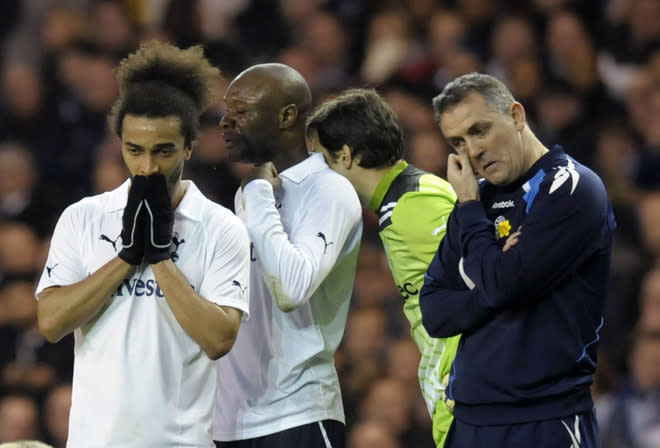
(212, 326)
(559, 232)
(62, 309)
(449, 302)
(295, 263)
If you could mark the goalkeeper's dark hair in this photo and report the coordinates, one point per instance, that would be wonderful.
(160, 80)
(362, 120)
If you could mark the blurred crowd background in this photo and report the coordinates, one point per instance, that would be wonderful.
(587, 72)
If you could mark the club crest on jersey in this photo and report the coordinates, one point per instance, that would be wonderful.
(502, 227)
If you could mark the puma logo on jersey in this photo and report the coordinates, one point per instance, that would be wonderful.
(111, 241)
(322, 236)
(563, 174)
(241, 287)
(50, 269)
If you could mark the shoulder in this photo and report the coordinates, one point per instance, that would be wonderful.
(432, 185)
(92, 206)
(567, 185)
(214, 214)
(327, 178)
(221, 226)
(197, 206)
(571, 178)
(427, 204)
(418, 197)
(419, 187)
(331, 187)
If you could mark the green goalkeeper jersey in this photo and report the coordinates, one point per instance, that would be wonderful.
(413, 208)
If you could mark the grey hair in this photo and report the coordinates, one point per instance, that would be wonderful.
(497, 95)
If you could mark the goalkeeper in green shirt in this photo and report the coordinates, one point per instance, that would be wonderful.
(361, 138)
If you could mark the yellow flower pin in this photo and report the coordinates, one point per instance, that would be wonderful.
(504, 228)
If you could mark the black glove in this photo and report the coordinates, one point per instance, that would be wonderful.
(133, 223)
(160, 219)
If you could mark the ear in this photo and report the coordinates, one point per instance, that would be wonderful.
(188, 152)
(288, 116)
(345, 157)
(519, 116)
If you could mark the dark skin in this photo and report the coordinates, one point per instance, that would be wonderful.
(264, 122)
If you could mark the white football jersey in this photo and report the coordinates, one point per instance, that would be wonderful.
(305, 236)
(139, 380)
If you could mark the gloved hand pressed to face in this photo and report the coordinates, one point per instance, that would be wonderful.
(159, 220)
(133, 223)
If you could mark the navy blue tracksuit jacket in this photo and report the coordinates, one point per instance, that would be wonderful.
(529, 316)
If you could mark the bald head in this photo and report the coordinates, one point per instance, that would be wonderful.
(265, 116)
(279, 83)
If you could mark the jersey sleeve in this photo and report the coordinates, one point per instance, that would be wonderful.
(294, 264)
(567, 221)
(449, 302)
(226, 282)
(64, 264)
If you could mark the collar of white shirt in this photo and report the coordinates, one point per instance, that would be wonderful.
(311, 165)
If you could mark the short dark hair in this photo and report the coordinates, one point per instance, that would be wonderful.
(361, 119)
(160, 80)
(497, 95)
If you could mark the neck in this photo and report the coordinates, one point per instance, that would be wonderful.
(177, 194)
(290, 153)
(536, 148)
(366, 180)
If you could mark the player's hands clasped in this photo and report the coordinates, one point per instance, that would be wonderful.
(133, 223)
(159, 220)
(147, 221)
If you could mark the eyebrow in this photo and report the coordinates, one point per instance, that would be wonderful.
(474, 129)
(241, 100)
(166, 145)
(478, 127)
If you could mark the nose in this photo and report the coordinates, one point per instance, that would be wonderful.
(474, 149)
(148, 166)
(227, 121)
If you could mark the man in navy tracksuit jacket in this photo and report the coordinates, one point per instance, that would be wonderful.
(521, 274)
